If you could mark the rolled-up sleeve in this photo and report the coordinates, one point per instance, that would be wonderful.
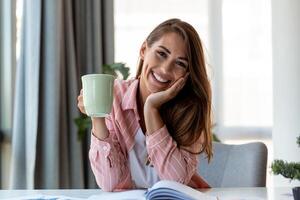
(171, 162)
(109, 163)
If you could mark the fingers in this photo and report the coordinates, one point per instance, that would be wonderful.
(184, 80)
(186, 76)
(80, 102)
(178, 85)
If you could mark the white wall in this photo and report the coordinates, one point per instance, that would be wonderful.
(286, 82)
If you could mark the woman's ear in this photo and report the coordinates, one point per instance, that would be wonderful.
(143, 50)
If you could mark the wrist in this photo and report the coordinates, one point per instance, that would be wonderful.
(97, 119)
(152, 103)
(150, 109)
(153, 120)
(99, 129)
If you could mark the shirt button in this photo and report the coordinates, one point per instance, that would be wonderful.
(104, 148)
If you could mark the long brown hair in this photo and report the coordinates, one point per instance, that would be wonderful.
(188, 115)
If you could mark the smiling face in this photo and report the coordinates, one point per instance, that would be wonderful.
(164, 62)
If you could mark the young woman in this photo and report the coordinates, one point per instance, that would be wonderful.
(161, 120)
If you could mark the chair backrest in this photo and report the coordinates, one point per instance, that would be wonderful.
(235, 165)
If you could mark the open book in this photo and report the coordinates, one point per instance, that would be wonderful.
(160, 190)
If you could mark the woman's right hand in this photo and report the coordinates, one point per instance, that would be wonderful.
(98, 123)
(80, 102)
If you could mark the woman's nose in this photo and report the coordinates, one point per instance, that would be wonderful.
(166, 67)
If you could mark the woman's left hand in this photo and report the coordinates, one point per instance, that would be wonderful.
(155, 100)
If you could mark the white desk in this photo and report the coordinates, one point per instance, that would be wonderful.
(279, 193)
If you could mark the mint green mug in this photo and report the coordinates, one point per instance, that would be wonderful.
(97, 94)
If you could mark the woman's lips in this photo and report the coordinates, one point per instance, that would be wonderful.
(159, 79)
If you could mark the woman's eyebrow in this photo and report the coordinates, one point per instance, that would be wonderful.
(169, 52)
(183, 58)
(165, 48)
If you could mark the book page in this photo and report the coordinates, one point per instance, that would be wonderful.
(184, 189)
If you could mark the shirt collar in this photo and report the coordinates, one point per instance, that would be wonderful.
(129, 100)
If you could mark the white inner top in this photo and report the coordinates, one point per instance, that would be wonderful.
(142, 175)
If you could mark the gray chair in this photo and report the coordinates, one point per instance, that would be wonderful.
(235, 165)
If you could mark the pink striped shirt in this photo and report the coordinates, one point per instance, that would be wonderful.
(109, 157)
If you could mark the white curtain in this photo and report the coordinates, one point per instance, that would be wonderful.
(7, 67)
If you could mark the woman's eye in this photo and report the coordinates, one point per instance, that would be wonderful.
(162, 54)
(181, 64)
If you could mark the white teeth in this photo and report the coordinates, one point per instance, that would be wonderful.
(159, 78)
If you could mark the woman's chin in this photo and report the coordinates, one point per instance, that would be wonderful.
(153, 89)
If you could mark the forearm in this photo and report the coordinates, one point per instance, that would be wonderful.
(109, 164)
(108, 161)
(153, 120)
(99, 128)
(170, 161)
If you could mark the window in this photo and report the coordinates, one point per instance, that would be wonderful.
(247, 67)
(246, 100)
